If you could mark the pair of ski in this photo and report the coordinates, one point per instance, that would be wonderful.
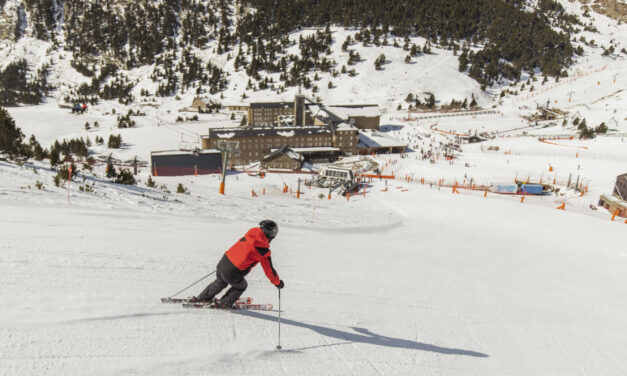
(241, 303)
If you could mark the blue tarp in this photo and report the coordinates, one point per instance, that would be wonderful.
(506, 188)
(532, 189)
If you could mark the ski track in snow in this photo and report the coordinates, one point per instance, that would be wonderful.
(83, 289)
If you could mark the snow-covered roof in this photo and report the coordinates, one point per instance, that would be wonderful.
(240, 132)
(287, 151)
(226, 135)
(348, 111)
(612, 198)
(286, 133)
(343, 127)
(373, 138)
(313, 149)
(183, 152)
(323, 114)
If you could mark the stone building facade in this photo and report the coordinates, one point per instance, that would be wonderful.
(255, 143)
(267, 113)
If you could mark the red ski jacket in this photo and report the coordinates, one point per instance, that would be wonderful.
(253, 248)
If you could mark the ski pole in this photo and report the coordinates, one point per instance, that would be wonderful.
(213, 272)
(278, 347)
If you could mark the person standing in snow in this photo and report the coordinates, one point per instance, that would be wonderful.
(237, 262)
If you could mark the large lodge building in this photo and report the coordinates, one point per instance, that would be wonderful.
(317, 132)
(285, 135)
(313, 141)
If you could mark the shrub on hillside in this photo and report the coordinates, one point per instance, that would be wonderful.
(125, 177)
(114, 142)
(63, 173)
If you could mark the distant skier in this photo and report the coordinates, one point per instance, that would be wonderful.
(83, 107)
(237, 262)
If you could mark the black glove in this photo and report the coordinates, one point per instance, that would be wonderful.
(280, 285)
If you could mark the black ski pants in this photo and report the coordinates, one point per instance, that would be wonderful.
(232, 294)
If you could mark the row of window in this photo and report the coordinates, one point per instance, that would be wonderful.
(261, 140)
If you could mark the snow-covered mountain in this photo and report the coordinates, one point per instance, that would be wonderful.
(134, 52)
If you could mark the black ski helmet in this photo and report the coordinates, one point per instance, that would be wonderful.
(270, 228)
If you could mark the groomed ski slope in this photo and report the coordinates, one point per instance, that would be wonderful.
(419, 282)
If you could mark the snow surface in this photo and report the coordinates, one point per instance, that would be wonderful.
(395, 283)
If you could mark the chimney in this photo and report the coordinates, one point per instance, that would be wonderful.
(299, 110)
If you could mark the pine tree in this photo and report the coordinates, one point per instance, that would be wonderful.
(473, 102)
(431, 101)
(11, 137)
(55, 158)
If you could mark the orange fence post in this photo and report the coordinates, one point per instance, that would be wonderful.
(562, 207)
(615, 214)
(522, 199)
(485, 194)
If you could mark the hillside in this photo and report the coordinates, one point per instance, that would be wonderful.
(96, 52)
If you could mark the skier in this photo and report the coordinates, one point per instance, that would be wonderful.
(237, 262)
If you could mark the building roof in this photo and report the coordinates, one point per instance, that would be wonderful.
(612, 198)
(184, 152)
(355, 110)
(317, 149)
(372, 138)
(285, 150)
(267, 132)
(324, 115)
(345, 127)
(271, 105)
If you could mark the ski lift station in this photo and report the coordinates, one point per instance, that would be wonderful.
(337, 174)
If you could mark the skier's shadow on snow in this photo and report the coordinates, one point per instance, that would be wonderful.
(366, 336)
